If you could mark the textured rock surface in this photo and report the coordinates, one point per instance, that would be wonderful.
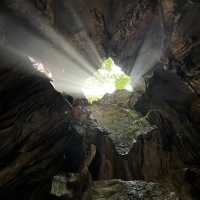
(136, 34)
(166, 147)
(172, 148)
(114, 113)
(33, 127)
(128, 190)
(132, 32)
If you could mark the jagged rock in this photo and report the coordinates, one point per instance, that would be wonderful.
(113, 113)
(34, 125)
(172, 147)
(164, 138)
(74, 185)
(120, 29)
(102, 165)
(125, 190)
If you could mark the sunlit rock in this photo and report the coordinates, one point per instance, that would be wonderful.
(115, 114)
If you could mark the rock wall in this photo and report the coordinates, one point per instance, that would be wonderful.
(33, 129)
(121, 29)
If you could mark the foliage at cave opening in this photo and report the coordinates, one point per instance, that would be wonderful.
(107, 79)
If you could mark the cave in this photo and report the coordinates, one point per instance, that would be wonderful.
(99, 100)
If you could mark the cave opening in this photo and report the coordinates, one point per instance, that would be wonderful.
(106, 80)
(137, 138)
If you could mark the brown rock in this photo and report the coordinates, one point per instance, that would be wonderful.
(33, 128)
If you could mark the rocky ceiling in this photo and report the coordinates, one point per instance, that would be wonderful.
(113, 28)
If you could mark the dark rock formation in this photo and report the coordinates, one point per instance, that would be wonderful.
(162, 142)
(113, 112)
(102, 165)
(34, 126)
(139, 35)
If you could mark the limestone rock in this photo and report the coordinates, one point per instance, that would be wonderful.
(113, 113)
(128, 190)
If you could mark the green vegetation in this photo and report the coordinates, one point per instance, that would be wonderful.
(107, 79)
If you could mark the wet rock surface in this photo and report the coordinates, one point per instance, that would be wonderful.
(102, 165)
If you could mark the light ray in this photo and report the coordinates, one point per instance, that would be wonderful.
(150, 52)
(62, 60)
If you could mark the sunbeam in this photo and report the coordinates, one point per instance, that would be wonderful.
(106, 80)
(65, 64)
(150, 52)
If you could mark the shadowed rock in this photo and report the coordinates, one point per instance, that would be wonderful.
(34, 127)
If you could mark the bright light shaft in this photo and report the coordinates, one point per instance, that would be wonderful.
(39, 23)
(65, 64)
(61, 67)
(96, 87)
(87, 43)
(149, 54)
